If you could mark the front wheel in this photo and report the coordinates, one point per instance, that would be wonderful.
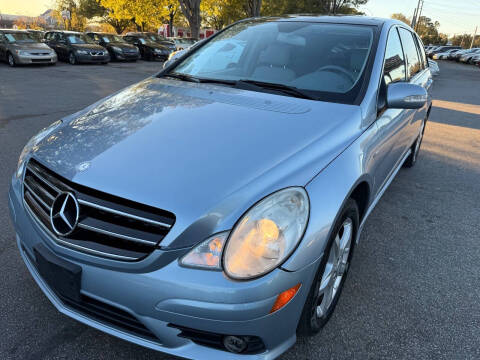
(11, 60)
(332, 272)
(72, 59)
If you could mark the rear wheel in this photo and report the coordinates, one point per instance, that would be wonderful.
(332, 272)
(11, 60)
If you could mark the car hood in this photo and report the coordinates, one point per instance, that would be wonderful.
(204, 152)
(156, 46)
(121, 45)
(31, 46)
(92, 47)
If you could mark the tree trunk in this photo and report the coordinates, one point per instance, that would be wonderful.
(170, 24)
(191, 10)
(253, 7)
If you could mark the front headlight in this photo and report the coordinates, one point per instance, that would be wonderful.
(30, 146)
(267, 234)
(116, 49)
(22, 52)
(82, 52)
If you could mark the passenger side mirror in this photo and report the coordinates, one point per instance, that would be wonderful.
(406, 96)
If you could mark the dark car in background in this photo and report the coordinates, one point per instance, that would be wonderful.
(19, 47)
(161, 40)
(76, 47)
(117, 47)
(149, 49)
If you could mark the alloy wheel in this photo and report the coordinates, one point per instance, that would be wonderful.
(11, 60)
(72, 59)
(335, 269)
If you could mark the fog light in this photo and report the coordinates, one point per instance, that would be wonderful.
(235, 344)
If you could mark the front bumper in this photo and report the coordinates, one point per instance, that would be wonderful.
(161, 57)
(36, 59)
(198, 299)
(89, 59)
(127, 56)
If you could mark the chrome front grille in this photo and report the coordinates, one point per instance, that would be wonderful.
(108, 226)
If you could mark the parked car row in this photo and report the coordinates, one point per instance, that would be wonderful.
(456, 53)
(34, 46)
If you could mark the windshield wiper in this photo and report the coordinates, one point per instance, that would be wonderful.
(247, 85)
(186, 77)
(286, 89)
(183, 77)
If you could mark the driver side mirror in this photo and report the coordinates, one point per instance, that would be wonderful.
(406, 96)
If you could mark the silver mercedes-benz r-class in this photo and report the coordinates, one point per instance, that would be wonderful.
(211, 211)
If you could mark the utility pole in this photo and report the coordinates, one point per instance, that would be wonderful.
(419, 15)
(474, 35)
(414, 17)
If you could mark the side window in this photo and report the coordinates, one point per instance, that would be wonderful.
(394, 69)
(421, 51)
(411, 53)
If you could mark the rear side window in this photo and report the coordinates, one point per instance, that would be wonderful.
(421, 51)
(394, 69)
(410, 49)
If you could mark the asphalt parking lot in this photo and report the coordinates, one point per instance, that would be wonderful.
(414, 287)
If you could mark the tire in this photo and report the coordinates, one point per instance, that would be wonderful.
(318, 307)
(412, 158)
(11, 60)
(72, 59)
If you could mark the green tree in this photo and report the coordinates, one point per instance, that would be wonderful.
(93, 9)
(401, 17)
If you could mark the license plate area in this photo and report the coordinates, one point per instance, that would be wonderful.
(63, 277)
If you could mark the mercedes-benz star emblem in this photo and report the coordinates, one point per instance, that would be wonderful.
(64, 214)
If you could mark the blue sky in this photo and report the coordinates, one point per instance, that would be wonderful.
(458, 16)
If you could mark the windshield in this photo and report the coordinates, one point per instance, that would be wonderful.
(154, 37)
(38, 36)
(112, 38)
(145, 40)
(317, 57)
(19, 38)
(79, 39)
